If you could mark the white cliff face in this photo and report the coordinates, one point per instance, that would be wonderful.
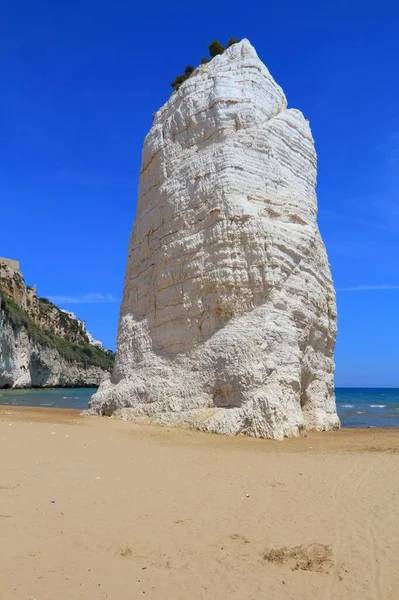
(24, 364)
(228, 320)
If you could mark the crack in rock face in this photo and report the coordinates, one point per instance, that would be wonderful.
(228, 319)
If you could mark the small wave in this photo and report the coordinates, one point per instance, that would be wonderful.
(361, 412)
(46, 405)
(377, 405)
(346, 405)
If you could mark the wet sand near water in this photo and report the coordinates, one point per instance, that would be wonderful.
(95, 509)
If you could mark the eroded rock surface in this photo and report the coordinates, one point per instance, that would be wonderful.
(41, 345)
(24, 363)
(228, 320)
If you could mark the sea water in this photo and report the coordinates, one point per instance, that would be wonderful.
(357, 407)
(52, 397)
(368, 407)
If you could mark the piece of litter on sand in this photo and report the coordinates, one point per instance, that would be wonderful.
(97, 478)
(66, 435)
(53, 432)
(247, 495)
(52, 501)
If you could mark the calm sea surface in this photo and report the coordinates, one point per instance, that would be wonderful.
(357, 407)
(56, 397)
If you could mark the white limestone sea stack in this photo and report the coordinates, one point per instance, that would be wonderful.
(228, 319)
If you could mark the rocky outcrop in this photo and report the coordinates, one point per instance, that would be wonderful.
(25, 364)
(228, 320)
(40, 345)
(41, 311)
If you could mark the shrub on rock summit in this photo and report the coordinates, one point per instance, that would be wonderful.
(215, 48)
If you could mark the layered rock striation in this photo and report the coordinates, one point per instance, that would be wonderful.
(228, 319)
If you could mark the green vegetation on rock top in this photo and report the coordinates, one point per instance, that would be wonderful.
(81, 353)
(47, 301)
(215, 48)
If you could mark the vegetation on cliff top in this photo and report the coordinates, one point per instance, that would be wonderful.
(215, 48)
(71, 327)
(81, 353)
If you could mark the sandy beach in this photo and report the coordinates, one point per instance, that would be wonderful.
(95, 508)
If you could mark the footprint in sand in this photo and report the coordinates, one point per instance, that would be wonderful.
(314, 557)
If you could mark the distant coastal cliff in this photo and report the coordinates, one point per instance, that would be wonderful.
(41, 345)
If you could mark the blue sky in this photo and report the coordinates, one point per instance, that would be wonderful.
(80, 81)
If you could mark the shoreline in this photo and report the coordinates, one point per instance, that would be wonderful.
(345, 437)
(360, 408)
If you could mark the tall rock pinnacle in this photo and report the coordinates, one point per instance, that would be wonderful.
(228, 319)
